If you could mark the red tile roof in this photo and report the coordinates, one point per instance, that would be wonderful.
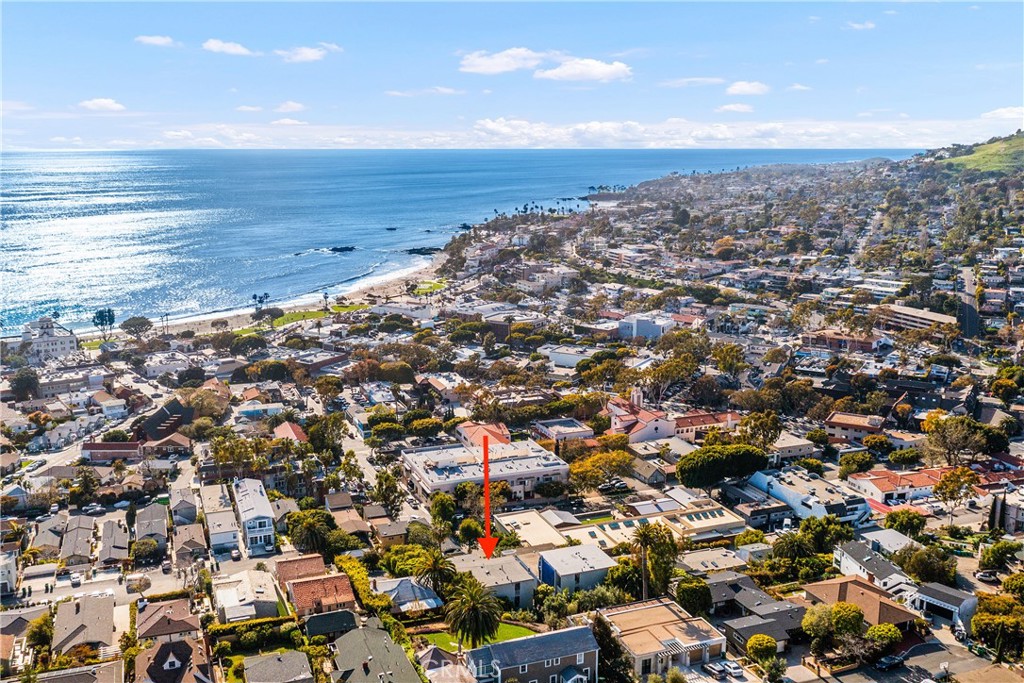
(322, 593)
(290, 430)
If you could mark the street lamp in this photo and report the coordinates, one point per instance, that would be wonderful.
(326, 295)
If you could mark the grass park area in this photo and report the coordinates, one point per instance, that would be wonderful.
(348, 308)
(296, 316)
(430, 286)
(92, 344)
(447, 641)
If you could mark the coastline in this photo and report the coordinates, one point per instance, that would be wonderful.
(363, 291)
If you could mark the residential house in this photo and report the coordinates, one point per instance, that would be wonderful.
(249, 594)
(223, 530)
(637, 422)
(184, 508)
(49, 534)
(574, 568)
(151, 522)
(560, 429)
(471, 434)
(180, 661)
(711, 560)
(369, 655)
(283, 507)
(108, 451)
(290, 666)
(318, 594)
(189, 544)
(690, 426)
(952, 604)
(290, 432)
(331, 625)
(389, 533)
(76, 544)
(255, 515)
(853, 426)
(856, 558)
(88, 620)
(657, 635)
(408, 595)
(168, 621)
(885, 485)
(113, 544)
(876, 604)
(301, 567)
(215, 498)
(758, 612)
(564, 656)
(340, 500)
(507, 576)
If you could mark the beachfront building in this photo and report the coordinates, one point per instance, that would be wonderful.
(45, 340)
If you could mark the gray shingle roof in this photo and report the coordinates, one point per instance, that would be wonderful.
(551, 645)
(871, 561)
(951, 596)
(290, 666)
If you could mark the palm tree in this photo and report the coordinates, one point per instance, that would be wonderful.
(644, 538)
(436, 571)
(310, 534)
(473, 613)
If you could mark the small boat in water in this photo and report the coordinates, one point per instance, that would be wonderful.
(391, 229)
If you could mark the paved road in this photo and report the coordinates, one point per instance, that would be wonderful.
(969, 319)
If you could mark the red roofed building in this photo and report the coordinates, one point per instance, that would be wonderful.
(320, 594)
(301, 567)
(884, 485)
(637, 422)
(290, 430)
(690, 425)
(471, 434)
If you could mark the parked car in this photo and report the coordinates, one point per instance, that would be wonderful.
(889, 663)
(987, 576)
(165, 566)
(122, 504)
(76, 580)
(235, 555)
(714, 669)
(54, 509)
(732, 668)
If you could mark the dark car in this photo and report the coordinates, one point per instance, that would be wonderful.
(888, 663)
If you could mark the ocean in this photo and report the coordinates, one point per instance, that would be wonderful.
(187, 232)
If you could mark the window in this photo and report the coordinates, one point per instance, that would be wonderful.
(547, 664)
(558, 660)
(522, 668)
(553, 679)
(579, 658)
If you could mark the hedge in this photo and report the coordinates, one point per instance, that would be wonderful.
(233, 629)
(170, 595)
(377, 603)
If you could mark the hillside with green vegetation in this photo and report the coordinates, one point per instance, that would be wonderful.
(1004, 154)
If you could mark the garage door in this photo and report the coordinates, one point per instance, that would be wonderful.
(938, 611)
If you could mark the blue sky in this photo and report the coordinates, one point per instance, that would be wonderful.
(106, 75)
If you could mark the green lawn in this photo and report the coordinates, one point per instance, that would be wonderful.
(430, 286)
(350, 307)
(92, 345)
(446, 641)
(296, 316)
(1002, 155)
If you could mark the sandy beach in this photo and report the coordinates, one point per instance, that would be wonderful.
(391, 285)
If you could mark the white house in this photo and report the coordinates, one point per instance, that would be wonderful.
(255, 515)
(223, 530)
(856, 558)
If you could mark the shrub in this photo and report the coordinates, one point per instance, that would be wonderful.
(761, 647)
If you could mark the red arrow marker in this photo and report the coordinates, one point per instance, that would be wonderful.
(488, 542)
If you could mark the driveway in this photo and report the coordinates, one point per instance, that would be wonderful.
(924, 661)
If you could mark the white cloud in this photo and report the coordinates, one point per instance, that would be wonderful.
(747, 88)
(228, 48)
(178, 135)
(297, 55)
(289, 122)
(586, 69)
(691, 81)
(890, 12)
(736, 108)
(248, 107)
(157, 41)
(289, 106)
(799, 87)
(436, 90)
(1016, 113)
(821, 61)
(101, 104)
(512, 59)
(813, 19)
(69, 141)
(860, 26)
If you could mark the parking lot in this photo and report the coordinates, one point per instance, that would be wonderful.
(923, 661)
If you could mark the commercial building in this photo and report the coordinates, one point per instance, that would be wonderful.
(523, 464)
